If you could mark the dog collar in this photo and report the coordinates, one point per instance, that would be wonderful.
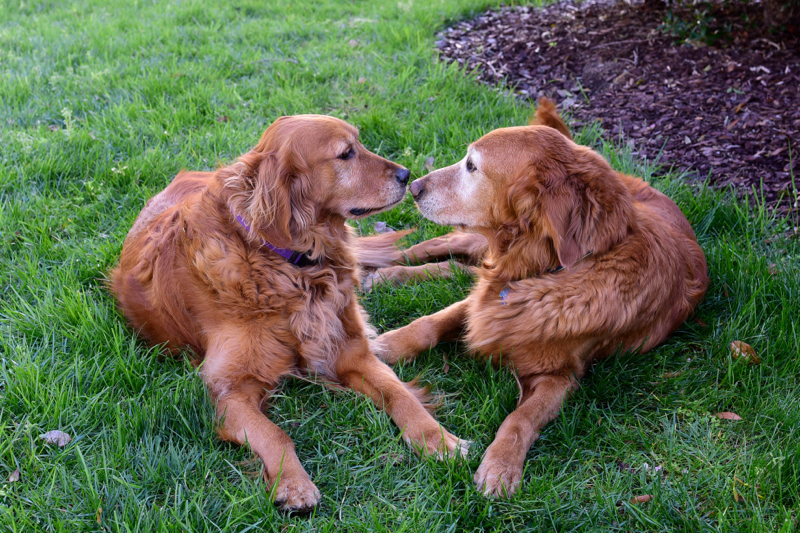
(292, 256)
(506, 290)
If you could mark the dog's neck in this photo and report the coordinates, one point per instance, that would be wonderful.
(513, 256)
(294, 257)
(326, 240)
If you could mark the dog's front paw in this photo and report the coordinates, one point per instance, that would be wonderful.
(369, 282)
(385, 348)
(455, 448)
(296, 493)
(438, 443)
(498, 477)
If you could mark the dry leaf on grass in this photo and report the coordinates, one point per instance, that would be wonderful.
(56, 437)
(14, 477)
(429, 164)
(382, 227)
(644, 498)
(362, 80)
(727, 415)
(352, 42)
(742, 350)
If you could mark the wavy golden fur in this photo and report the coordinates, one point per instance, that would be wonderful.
(191, 275)
(578, 261)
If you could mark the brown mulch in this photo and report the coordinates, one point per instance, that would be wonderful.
(728, 112)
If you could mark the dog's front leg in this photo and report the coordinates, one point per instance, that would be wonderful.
(470, 246)
(241, 421)
(398, 275)
(359, 369)
(500, 471)
(408, 342)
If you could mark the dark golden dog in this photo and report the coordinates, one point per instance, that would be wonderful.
(579, 261)
(254, 268)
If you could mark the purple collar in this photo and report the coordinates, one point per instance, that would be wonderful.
(292, 256)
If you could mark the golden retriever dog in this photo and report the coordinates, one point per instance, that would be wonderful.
(580, 262)
(254, 268)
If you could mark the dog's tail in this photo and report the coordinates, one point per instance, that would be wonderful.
(381, 251)
(547, 115)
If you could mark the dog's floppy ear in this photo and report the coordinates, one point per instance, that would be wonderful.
(261, 196)
(562, 211)
(545, 196)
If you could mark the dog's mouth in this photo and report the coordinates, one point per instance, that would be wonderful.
(359, 212)
(366, 211)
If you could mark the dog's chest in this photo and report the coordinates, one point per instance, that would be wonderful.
(502, 326)
(315, 319)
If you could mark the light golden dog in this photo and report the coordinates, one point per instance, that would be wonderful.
(254, 268)
(580, 261)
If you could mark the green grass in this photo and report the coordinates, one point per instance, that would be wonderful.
(135, 91)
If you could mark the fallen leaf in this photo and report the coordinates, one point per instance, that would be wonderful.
(429, 164)
(14, 477)
(773, 269)
(353, 43)
(382, 227)
(742, 350)
(393, 458)
(56, 437)
(644, 498)
(699, 322)
(446, 364)
(99, 512)
(625, 467)
(362, 80)
(223, 118)
(727, 415)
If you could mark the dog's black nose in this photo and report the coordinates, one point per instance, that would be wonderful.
(417, 188)
(402, 176)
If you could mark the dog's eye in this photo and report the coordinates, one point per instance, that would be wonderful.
(470, 166)
(347, 154)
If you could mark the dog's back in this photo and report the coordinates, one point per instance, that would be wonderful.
(649, 201)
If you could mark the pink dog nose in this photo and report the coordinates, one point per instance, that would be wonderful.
(417, 188)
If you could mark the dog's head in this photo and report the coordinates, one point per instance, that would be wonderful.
(307, 169)
(534, 189)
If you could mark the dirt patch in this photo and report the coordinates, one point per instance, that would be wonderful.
(729, 112)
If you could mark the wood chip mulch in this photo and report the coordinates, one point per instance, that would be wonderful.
(730, 113)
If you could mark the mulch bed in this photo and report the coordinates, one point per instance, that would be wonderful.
(728, 112)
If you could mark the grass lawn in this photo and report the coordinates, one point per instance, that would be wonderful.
(103, 102)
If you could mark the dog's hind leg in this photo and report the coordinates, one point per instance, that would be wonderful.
(399, 275)
(469, 247)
